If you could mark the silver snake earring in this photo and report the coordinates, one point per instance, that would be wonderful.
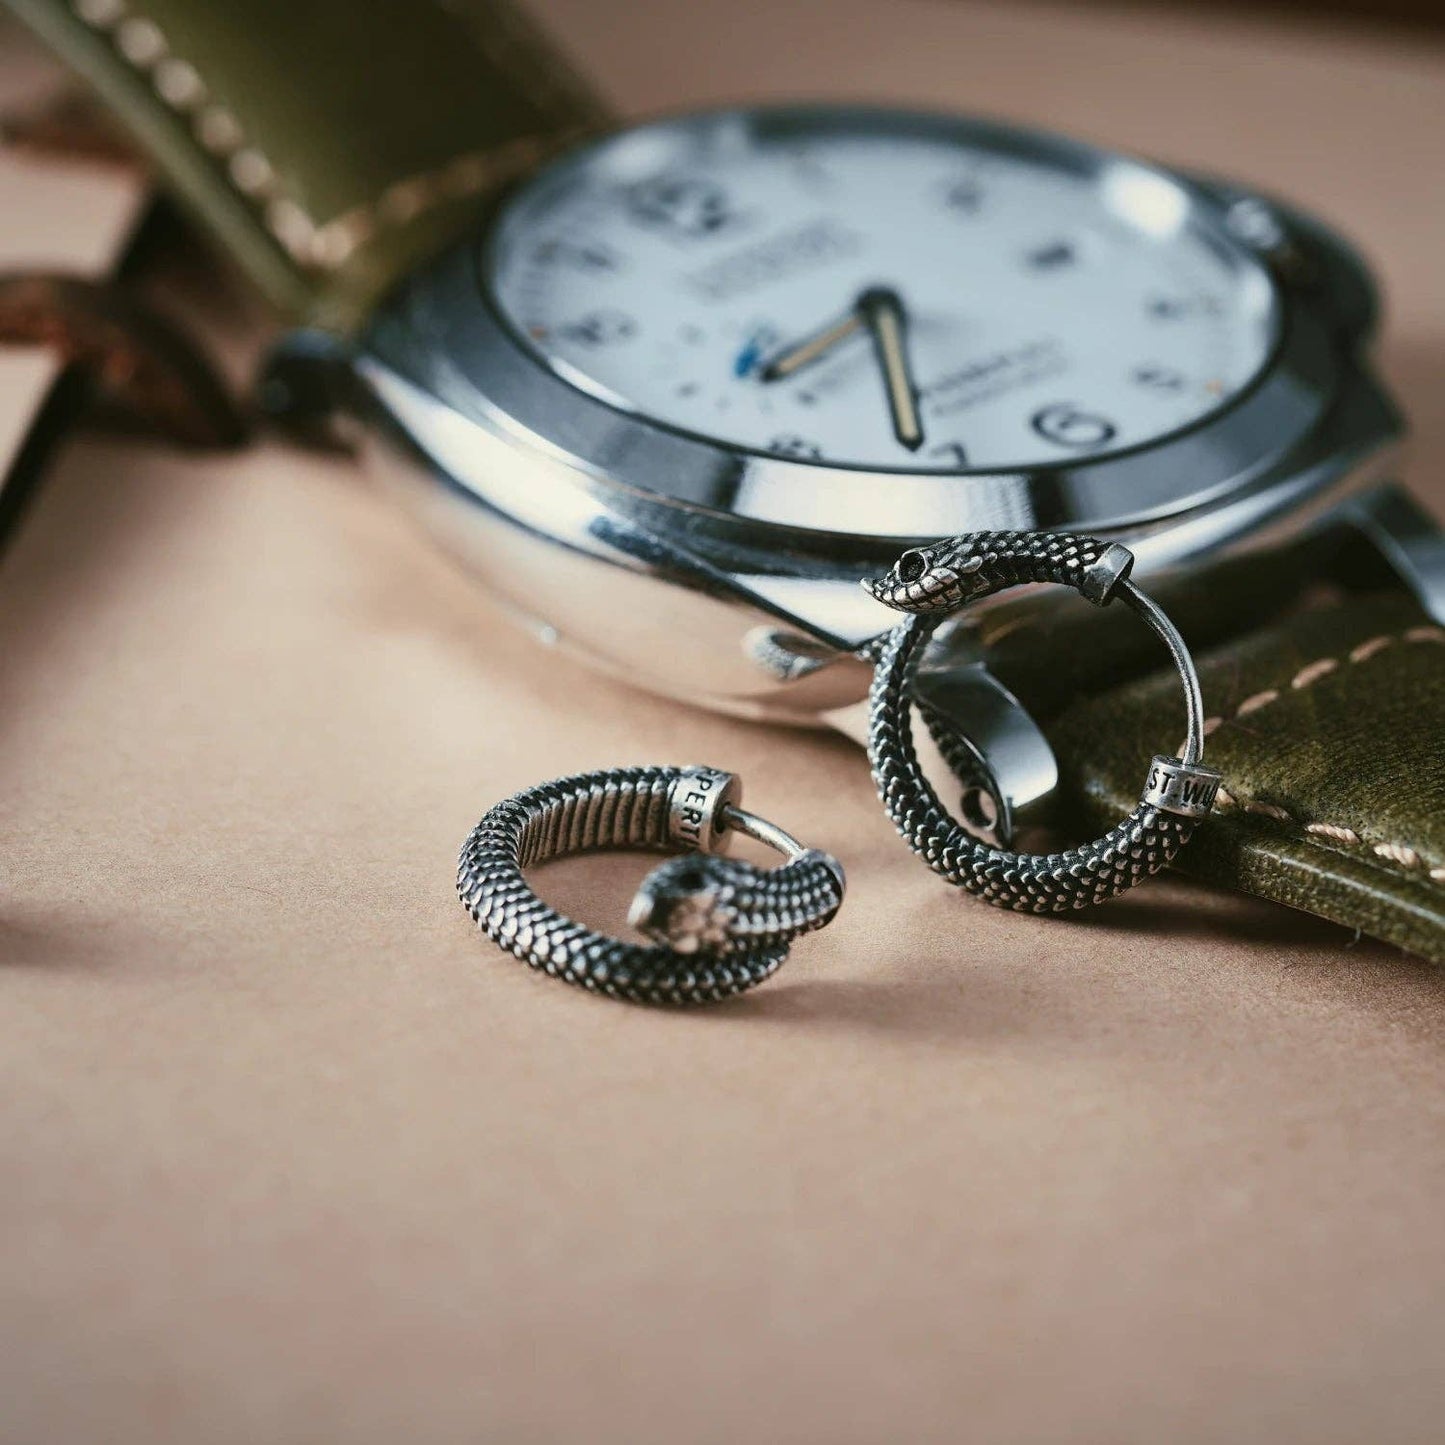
(719, 925)
(932, 582)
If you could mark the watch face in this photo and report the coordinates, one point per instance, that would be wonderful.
(882, 291)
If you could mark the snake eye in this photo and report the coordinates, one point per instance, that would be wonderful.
(690, 879)
(912, 565)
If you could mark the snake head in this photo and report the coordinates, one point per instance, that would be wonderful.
(928, 579)
(686, 904)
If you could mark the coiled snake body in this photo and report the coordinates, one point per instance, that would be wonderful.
(720, 925)
(929, 583)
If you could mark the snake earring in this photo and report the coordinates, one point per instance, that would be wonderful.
(932, 582)
(718, 925)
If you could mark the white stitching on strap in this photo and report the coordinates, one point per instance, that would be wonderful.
(406, 199)
(1259, 700)
(1368, 649)
(1400, 853)
(1267, 810)
(1312, 672)
(176, 83)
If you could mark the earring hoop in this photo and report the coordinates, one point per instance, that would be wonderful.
(718, 925)
(932, 582)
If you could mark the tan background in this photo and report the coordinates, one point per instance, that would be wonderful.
(290, 1155)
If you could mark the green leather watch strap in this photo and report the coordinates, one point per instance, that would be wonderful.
(1086, 649)
(329, 144)
(1329, 728)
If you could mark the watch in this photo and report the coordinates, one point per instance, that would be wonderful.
(673, 390)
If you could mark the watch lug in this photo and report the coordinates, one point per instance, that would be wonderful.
(981, 734)
(991, 744)
(1407, 537)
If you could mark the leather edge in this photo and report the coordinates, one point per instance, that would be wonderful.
(1343, 881)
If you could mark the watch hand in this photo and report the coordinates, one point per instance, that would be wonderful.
(818, 345)
(882, 311)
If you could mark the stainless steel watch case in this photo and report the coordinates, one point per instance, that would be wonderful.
(730, 578)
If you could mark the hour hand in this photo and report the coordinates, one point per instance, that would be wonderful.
(882, 312)
(812, 348)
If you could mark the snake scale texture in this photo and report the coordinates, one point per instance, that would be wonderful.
(930, 583)
(945, 576)
(723, 925)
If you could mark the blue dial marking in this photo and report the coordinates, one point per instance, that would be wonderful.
(752, 352)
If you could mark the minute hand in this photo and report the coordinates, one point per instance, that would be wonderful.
(883, 315)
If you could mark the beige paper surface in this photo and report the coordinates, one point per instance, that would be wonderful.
(289, 1154)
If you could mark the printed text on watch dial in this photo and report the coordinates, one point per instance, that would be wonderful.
(888, 302)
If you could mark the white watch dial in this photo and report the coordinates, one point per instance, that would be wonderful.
(869, 293)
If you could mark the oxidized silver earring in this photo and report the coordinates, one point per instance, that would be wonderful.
(719, 925)
(932, 582)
